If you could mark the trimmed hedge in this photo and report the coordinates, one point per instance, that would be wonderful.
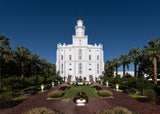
(41, 110)
(116, 110)
(97, 87)
(55, 94)
(105, 93)
(64, 87)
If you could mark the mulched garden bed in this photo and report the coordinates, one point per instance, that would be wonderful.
(94, 105)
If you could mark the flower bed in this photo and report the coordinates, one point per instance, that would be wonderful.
(81, 96)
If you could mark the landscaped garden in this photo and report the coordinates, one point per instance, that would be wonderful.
(72, 92)
(25, 78)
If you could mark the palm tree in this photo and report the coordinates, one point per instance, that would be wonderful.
(153, 52)
(34, 58)
(116, 63)
(109, 67)
(21, 55)
(134, 55)
(124, 61)
(4, 52)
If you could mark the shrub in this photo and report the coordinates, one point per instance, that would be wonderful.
(55, 94)
(96, 87)
(31, 89)
(64, 87)
(12, 83)
(40, 80)
(151, 95)
(116, 110)
(105, 93)
(50, 79)
(5, 97)
(41, 110)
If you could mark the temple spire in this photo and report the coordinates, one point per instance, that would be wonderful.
(80, 29)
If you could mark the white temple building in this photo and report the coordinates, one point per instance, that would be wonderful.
(80, 59)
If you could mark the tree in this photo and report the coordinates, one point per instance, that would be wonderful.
(116, 63)
(134, 55)
(124, 61)
(43, 63)
(49, 67)
(34, 58)
(109, 68)
(152, 51)
(21, 55)
(4, 52)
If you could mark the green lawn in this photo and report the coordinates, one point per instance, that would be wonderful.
(90, 92)
(134, 96)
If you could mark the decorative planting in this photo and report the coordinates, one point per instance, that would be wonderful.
(105, 93)
(55, 94)
(116, 110)
(41, 110)
(97, 87)
(64, 87)
(81, 96)
(73, 90)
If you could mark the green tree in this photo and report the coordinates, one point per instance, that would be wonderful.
(49, 67)
(4, 52)
(116, 63)
(43, 63)
(134, 57)
(109, 68)
(152, 51)
(34, 58)
(124, 61)
(21, 55)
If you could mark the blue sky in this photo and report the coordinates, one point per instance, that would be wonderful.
(118, 24)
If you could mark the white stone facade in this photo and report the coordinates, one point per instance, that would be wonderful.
(126, 72)
(79, 59)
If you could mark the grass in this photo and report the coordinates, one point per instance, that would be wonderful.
(21, 98)
(118, 90)
(134, 96)
(72, 92)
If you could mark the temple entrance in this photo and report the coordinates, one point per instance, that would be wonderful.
(91, 78)
(69, 79)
